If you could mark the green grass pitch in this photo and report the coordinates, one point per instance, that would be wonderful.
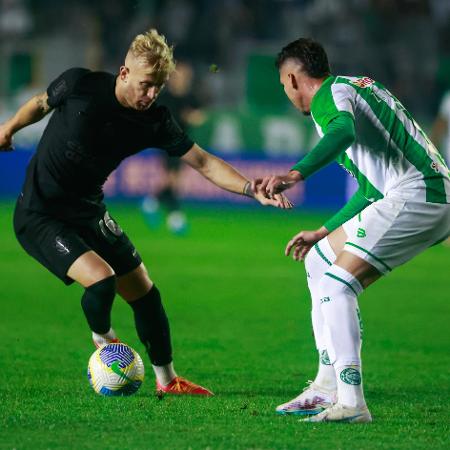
(239, 313)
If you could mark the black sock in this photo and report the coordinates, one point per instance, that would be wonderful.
(97, 302)
(168, 199)
(152, 327)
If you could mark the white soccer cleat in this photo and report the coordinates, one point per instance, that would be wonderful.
(102, 339)
(342, 413)
(313, 400)
(177, 222)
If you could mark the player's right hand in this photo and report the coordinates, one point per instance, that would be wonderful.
(5, 139)
(302, 243)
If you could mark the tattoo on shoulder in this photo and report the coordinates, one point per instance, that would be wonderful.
(41, 101)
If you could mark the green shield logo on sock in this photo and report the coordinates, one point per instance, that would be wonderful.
(350, 376)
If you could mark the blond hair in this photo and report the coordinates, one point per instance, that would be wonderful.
(152, 49)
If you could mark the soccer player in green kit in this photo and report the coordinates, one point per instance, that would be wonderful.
(400, 209)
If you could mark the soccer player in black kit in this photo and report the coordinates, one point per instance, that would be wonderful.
(60, 218)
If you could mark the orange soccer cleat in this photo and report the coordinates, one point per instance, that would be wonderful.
(181, 386)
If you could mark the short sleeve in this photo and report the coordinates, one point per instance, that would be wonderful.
(332, 100)
(171, 137)
(60, 88)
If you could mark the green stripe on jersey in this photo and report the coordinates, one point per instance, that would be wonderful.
(369, 190)
(400, 139)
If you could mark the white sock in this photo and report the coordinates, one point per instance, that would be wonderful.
(164, 374)
(326, 376)
(339, 290)
(317, 262)
(349, 386)
(101, 339)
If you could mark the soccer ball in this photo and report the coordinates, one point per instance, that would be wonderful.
(115, 369)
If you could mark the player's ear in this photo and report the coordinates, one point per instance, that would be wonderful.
(123, 73)
(293, 80)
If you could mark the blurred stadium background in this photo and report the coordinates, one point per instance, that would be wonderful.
(239, 309)
(230, 46)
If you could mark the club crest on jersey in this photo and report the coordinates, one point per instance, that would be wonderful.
(363, 82)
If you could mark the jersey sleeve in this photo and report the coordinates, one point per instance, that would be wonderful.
(60, 88)
(339, 136)
(171, 137)
(332, 100)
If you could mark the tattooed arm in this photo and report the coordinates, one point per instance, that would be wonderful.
(32, 111)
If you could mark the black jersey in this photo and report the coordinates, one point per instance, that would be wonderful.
(87, 137)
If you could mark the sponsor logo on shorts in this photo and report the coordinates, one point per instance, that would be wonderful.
(61, 245)
(112, 225)
(350, 376)
(361, 232)
(325, 300)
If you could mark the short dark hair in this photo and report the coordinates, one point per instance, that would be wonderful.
(308, 52)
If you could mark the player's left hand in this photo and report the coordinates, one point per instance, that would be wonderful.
(303, 241)
(278, 200)
(275, 184)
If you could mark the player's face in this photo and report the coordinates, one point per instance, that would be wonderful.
(297, 86)
(141, 86)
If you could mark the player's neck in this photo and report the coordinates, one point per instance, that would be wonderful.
(118, 92)
(317, 83)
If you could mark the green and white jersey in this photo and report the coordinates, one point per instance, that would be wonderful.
(391, 151)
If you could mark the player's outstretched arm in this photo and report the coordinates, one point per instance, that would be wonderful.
(227, 177)
(339, 135)
(32, 111)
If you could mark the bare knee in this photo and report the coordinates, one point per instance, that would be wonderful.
(134, 284)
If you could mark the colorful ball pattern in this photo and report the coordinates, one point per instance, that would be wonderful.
(115, 370)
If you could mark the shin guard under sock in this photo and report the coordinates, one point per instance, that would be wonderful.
(152, 327)
(97, 302)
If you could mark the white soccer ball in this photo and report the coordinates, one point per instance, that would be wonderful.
(115, 369)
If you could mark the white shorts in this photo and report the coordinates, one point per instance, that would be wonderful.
(393, 230)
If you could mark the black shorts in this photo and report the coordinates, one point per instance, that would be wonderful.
(57, 244)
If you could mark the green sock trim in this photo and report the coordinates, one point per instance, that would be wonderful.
(370, 254)
(322, 255)
(341, 280)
